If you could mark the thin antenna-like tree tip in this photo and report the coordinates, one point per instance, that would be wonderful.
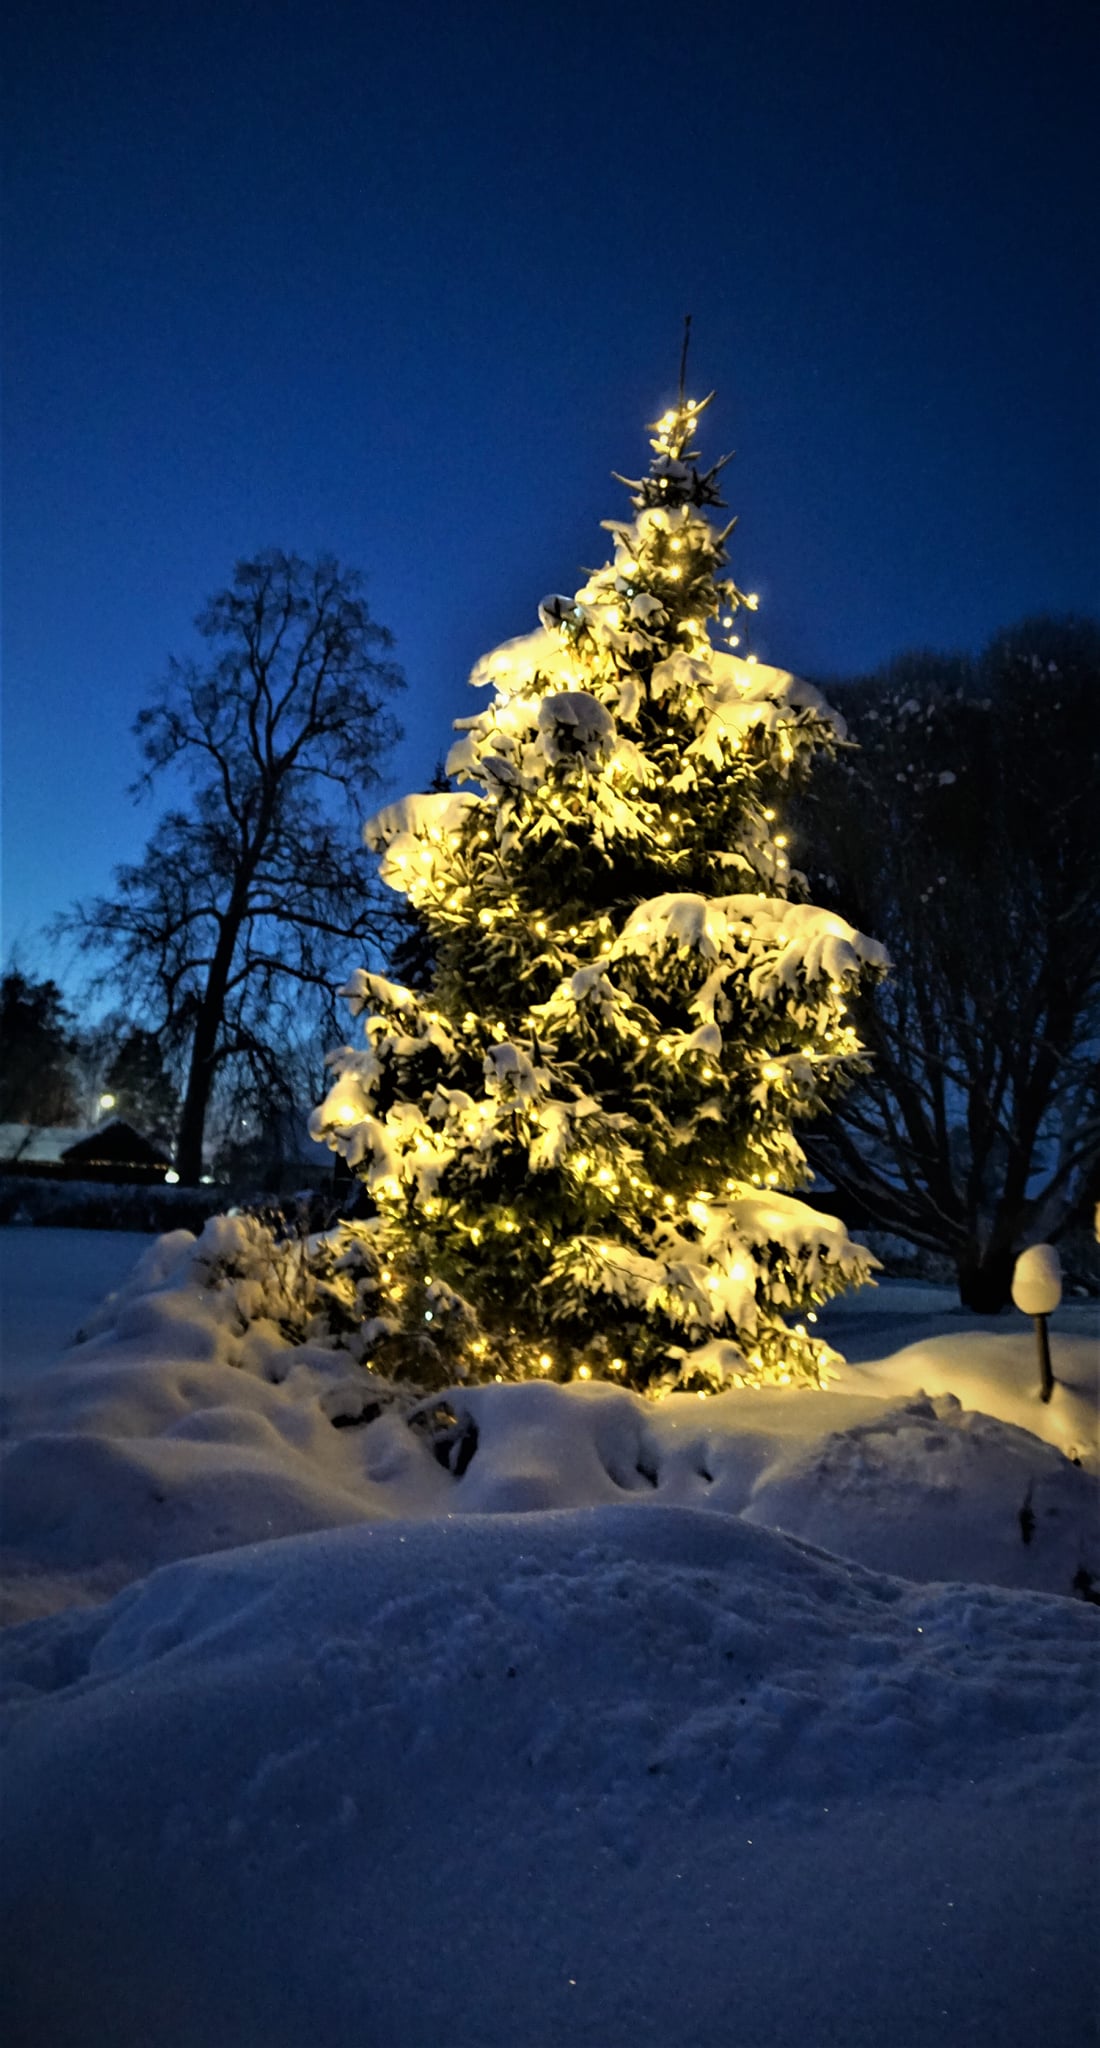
(684, 354)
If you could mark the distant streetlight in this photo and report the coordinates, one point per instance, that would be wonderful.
(107, 1101)
(1037, 1290)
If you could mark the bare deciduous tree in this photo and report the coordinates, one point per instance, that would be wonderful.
(965, 833)
(247, 896)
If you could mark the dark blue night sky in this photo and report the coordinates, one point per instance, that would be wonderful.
(406, 283)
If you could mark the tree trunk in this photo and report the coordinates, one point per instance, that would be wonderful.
(985, 1279)
(196, 1101)
(203, 1065)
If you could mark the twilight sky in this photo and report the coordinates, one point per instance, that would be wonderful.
(406, 282)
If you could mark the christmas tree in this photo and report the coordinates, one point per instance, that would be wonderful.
(579, 1143)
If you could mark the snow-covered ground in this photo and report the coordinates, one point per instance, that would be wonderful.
(49, 1281)
(767, 1719)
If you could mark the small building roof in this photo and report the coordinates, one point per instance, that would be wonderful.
(116, 1144)
(38, 1144)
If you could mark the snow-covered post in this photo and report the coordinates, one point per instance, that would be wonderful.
(1037, 1290)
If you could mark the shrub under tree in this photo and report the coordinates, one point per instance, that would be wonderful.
(580, 1142)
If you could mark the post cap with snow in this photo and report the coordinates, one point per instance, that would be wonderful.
(1037, 1280)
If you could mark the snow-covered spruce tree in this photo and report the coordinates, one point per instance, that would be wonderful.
(580, 1141)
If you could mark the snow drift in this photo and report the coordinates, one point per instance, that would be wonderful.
(578, 1719)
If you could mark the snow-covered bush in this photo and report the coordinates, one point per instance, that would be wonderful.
(332, 1288)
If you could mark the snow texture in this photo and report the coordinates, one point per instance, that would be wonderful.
(763, 1718)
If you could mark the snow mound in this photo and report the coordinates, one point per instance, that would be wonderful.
(482, 1750)
(184, 1425)
(559, 1741)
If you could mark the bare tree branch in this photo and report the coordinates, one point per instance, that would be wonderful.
(256, 889)
(966, 835)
